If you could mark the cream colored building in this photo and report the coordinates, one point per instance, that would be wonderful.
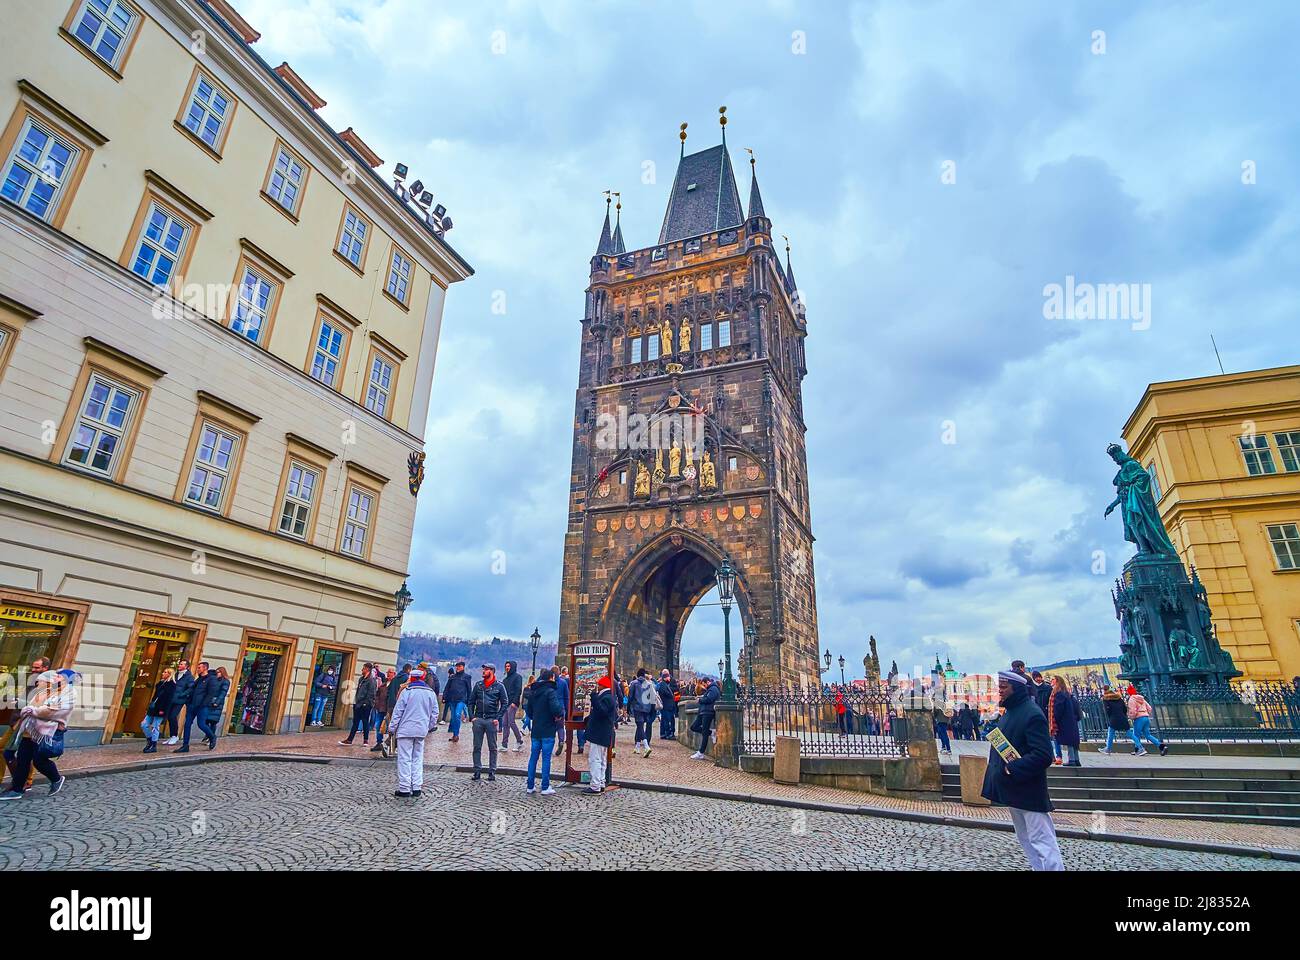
(218, 326)
(1225, 454)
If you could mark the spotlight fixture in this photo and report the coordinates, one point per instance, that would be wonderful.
(417, 188)
(400, 171)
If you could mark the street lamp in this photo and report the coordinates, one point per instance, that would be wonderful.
(751, 638)
(842, 682)
(726, 593)
(827, 657)
(536, 640)
(402, 598)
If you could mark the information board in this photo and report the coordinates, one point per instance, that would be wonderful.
(588, 662)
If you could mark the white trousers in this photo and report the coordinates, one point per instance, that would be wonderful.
(597, 757)
(1037, 836)
(410, 763)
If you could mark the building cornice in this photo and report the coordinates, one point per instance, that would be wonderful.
(1207, 383)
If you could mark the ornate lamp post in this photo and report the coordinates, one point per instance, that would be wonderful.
(751, 638)
(402, 599)
(842, 681)
(726, 594)
(536, 641)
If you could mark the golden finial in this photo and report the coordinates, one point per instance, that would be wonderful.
(683, 133)
(722, 115)
(619, 197)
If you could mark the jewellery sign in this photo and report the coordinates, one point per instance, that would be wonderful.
(50, 618)
(588, 662)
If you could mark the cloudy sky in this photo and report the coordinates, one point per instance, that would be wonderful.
(936, 165)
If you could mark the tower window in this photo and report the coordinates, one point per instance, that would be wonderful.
(724, 333)
(706, 336)
(652, 346)
(636, 350)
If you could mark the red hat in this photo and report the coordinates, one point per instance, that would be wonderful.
(603, 682)
(1132, 690)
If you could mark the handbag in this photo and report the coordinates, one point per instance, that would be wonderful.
(50, 747)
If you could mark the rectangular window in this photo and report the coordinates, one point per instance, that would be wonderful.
(356, 522)
(399, 278)
(285, 181)
(104, 27)
(652, 343)
(160, 247)
(328, 355)
(214, 459)
(724, 333)
(207, 112)
(352, 237)
(252, 305)
(379, 385)
(732, 464)
(1288, 445)
(1155, 481)
(636, 349)
(1285, 538)
(1259, 458)
(299, 496)
(101, 426)
(706, 336)
(38, 168)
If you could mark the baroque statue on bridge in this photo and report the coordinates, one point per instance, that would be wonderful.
(1142, 523)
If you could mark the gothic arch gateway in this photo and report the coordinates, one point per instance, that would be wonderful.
(705, 325)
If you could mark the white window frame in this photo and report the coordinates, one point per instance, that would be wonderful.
(1288, 447)
(100, 427)
(297, 507)
(376, 390)
(322, 357)
(1155, 480)
(249, 305)
(207, 111)
(102, 10)
(210, 468)
(355, 529)
(289, 186)
(40, 171)
(1258, 456)
(353, 236)
(157, 248)
(400, 270)
(1284, 538)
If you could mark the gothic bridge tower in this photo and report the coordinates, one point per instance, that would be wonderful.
(702, 334)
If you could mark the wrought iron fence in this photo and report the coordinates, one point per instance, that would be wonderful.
(1256, 710)
(869, 725)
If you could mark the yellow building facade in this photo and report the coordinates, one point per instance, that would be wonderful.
(1225, 454)
(218, 329)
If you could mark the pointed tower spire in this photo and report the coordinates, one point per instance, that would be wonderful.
(755, 198)
(790, 285)
(618, 225)
(605, 246)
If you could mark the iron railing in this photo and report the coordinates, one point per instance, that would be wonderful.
(869, 726)
(1275, 705)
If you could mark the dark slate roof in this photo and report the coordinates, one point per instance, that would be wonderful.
(755, 199)
(618, 238)
(605, 246)
(790, 285)
(712, 204)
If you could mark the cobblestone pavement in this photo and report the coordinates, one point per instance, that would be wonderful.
(669, 763)
(303, 816)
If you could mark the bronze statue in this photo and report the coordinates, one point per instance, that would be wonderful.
(1142, 523)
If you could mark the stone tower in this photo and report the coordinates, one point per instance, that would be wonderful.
(688, 436)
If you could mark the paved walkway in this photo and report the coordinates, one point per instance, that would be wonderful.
(670, 764)
(298, 816)
(1124, 758)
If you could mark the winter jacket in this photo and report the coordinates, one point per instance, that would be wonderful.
(381, 697)
(365, 697)
(458, 688)
(184, 684)
(488, 702)
(514, 683)
(201, 692)
(1064, 722)
(1138, 707)
(163, 694)
(635, 693)
(666, 692)
(707, 700)
(600, 721)
(1022, 783)
(1116, 712)
(545, 711)
(416, 712)
(1042, 696)
(562, 688)
(38, 721)
(217, 693)
(326, 683)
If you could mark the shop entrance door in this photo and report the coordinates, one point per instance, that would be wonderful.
(323, 702)
(156, 648)
(257, 686)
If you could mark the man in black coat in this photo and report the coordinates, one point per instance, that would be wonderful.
(667, 712)
(514, 684)
(487, 708)
(1021, 783)
(457, 695)
(1042, 691)
(201, 692)
(601, 720)
(180, 698)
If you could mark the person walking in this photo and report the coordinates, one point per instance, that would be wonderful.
(205, 682)
(415, 716)
(1116, 717)
(457, 695)
(379, 708)
(39, 733)
(668, 696)
(215, 708)
(322, 692)
(362, 703)
(158, 710)
(543, 714)
(1063, 722)
(180, 699)
(1021, 783)
(1041, 690)
(942, 717)
(602, 718)
(392, 690)
(514, 684)
(1139, 713)
(704, 718)
(644, 698)
(562, 688)
(487, 706)
(523, 701)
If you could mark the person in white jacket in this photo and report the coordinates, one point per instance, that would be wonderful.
(39, 734)
(414, 718)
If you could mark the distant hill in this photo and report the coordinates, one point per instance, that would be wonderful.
(436, 649)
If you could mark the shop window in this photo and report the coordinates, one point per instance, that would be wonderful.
(260, 678)
(103, 422)
(207, 112)
(285, 180)
(326, 679)
(27, 631)
(158, 647)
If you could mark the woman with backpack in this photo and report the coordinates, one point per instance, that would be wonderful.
(157, 710)
(645, 703)
(1116, 717)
